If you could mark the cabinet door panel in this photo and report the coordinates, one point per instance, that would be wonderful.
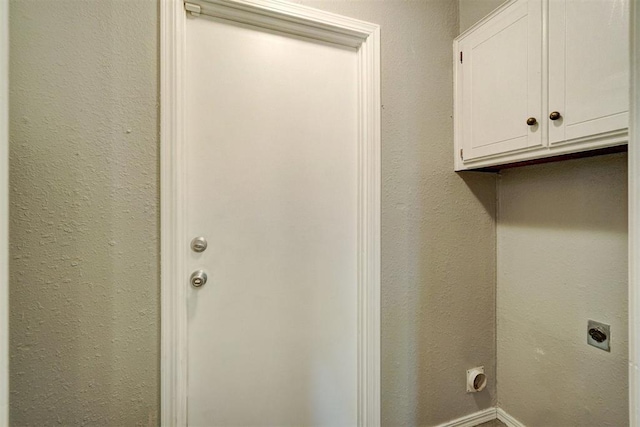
(501, 72)
(588, 67)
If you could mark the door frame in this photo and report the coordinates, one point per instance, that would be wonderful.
(4, 212)
(301, 21)
(634, 217)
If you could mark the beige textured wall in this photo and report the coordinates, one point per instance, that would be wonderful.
(84, 212)
(85, 217)
(562, 259)
(4, 212)
(471, 11)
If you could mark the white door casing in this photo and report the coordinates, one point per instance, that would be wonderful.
(363, 39)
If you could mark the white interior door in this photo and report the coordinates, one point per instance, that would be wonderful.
(272, 184)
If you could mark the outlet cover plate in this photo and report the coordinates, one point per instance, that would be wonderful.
(604, 329)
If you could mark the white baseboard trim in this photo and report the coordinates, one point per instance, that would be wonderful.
(508, 419)
(472, 420)
(483, 416)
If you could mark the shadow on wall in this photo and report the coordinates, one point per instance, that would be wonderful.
(476, 182)
(581, 194)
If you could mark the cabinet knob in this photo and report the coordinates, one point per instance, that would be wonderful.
(531, 121)
(554, 115)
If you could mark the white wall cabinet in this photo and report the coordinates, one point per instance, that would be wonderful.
(523, 94)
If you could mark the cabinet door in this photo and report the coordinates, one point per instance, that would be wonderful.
(500, 72)
(588, 68)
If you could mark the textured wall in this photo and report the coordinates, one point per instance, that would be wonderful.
(4, 211)
(85, 221)
(562, 259)
(438, 235)
(84, 212)
(471, 11)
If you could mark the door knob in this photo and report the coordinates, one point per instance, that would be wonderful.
(531, 121)
(554, 115)
(199, 244)
(198, 278)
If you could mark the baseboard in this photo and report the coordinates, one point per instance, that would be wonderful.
(483, 416)
(472, 420)
(508, 419)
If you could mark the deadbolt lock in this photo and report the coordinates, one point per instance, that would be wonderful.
(198, 278)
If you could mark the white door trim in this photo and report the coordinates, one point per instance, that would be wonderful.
(4, 212)
(300, 21)
(634, 219)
